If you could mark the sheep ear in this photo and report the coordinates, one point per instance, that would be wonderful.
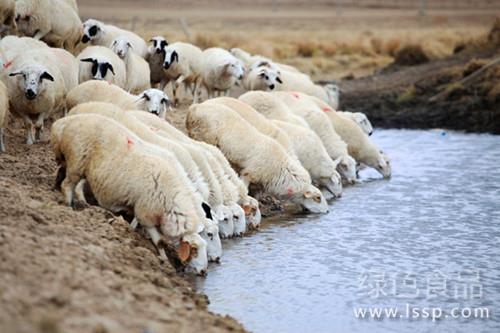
(46, 76)
(262, 74)
(110, 67)
(15, 73)
(87, 60)
(279, 80)
(129, 45)
(207, 210)
(184, 251)
(307, 194)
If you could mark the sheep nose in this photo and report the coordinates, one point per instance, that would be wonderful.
(85, 39)
(156, 112)
(203, 273)
(30, 94)
(158, 51)
(271, 86)
(240, 77)
(370, 133)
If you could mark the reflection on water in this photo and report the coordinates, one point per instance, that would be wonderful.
(429, 237)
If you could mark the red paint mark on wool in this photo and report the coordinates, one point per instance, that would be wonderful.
(8, 64)
(325, 109)
(296, 95)
(159, 220)
(289, 191)
(130, 143)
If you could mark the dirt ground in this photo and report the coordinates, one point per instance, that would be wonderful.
(81, 271)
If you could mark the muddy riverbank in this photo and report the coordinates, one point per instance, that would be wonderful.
(81, 271)
(434, 94)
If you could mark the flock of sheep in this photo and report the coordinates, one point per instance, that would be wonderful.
(283, 135)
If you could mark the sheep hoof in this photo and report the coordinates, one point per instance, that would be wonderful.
(79, 205)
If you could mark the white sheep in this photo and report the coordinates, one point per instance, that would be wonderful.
(261, 160)
(68, 65)
(302, 83)
(138, 73)
(314, 158)
(183, 64)
(72, 4)
(7, 17)
(359, 145)
(333, 92)
(261, 78)
(257, 120)
(53, 21)
(271, 107)
(256, 60)
(156, 191)
(4, 109)
(146, 134)
(182, 155)
(360, 118)
(221, 71)
(223, 213)
(249, 204)
(155, 58)
(98, 33)
(152, 100)
(36, 90)
(100, 63)
(299, 103)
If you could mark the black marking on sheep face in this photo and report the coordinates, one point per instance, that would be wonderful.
(99, 67)
(208, 210)
(173, 57)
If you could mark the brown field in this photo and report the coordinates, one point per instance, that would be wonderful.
(315, 36)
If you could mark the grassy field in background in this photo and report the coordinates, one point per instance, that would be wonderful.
(315, 36)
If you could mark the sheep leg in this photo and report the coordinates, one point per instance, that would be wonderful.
(175, 86)
(68, 188)
(196, 90)
(2, 144)
(135, 223)
(80, 202)
(29, 130)
(39, 127)
(157, 241)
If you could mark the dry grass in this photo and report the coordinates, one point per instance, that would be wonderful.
(316, 40)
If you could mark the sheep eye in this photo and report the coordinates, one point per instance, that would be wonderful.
(27, 18)
(226, 219)
(164, 101)
(18, 17)
(267, 77)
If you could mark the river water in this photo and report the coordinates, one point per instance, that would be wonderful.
(425, 241)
